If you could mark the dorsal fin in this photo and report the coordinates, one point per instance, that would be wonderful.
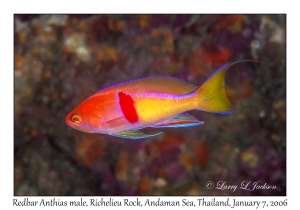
(154, 84)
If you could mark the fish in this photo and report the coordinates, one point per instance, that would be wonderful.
(124, 109)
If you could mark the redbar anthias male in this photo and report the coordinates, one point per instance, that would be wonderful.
(123, 109)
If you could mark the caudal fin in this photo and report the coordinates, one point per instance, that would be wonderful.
(212, 96)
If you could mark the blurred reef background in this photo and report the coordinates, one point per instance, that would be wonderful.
(59, 60)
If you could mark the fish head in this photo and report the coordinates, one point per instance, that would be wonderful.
(84, 118)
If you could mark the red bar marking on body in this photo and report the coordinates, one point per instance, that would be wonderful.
(127, 107)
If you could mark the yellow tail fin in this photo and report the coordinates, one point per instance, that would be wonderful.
(211, 95)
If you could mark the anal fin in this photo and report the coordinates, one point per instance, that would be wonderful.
(179, 121)
(133, 134)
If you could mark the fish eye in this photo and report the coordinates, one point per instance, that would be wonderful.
(76, 118)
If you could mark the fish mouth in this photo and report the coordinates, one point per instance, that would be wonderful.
(70, 123)
(74, 125)
(80, 127)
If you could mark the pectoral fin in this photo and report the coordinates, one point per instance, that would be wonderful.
(133, 134)
(116, 122)
(181, 120)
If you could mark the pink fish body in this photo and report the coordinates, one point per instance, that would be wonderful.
(123, 109)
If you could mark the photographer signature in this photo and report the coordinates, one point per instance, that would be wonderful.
(245, 185)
